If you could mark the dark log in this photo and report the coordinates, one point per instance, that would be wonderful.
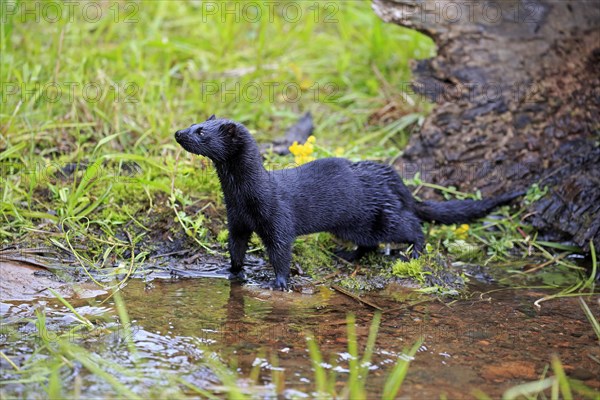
(517, 92)
(298, 132)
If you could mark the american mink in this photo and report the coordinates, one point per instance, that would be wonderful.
(362, 202)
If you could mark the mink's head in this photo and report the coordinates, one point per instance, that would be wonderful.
(221, 140)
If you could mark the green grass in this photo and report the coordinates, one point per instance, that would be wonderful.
(354, 388)
(103, 98)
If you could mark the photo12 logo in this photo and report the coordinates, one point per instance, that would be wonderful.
(475, 92)
(255, 91)
(488, 12)
(69, 11)
(54, 92)
(255, 11)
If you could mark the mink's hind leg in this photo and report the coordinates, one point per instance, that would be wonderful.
(418, 245)
(355, 255)
(409, 230)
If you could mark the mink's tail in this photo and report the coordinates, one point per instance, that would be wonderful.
(461, 211)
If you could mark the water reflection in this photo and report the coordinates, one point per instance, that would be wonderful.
(488, 342)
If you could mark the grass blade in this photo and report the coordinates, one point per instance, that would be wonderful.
(87, 360)
(591, 317)
(317, 363)
(396, 377)
(563, 381)
(528, 389)
(81, 318)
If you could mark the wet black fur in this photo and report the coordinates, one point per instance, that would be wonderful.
(362, 202)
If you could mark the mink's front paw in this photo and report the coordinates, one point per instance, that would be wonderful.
(238, 276)
(279, 283)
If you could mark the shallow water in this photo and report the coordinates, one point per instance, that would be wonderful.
(488, 342)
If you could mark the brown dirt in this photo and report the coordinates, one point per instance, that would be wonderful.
(21, 281)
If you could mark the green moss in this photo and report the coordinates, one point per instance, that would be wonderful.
(223, 237)
(255, 241)
(410, 269)
(463, 250)
(352, 283)
(313, 254)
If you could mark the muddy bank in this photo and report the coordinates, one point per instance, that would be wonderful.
(25, 282)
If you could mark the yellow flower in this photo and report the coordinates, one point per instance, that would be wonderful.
(302, 152)
(462, 231)
(295, 148)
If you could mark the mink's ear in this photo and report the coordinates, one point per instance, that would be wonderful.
(211, 117)
(229, 128)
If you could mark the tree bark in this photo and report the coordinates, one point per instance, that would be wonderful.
(517, 92)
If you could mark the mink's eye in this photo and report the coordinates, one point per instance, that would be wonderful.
(199, 132)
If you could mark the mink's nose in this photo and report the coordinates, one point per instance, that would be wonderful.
(179, 134)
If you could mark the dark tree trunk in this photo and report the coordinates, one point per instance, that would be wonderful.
(517, 88)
